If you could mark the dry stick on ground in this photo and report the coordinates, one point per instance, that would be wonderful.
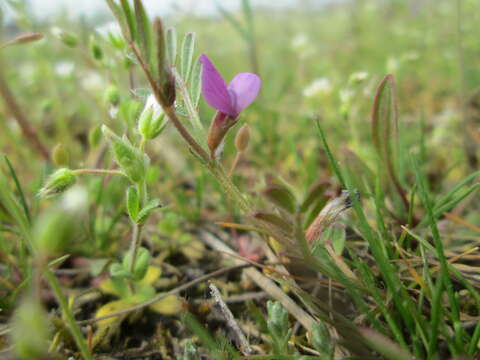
(263, 282)
(21, 119)
(231, 322)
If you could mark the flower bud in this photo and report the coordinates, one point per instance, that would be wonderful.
(58, 182)
(243, 138)
(169, 91)
(95, 49)
(95, 136)
(130, 159)
(112, 95)
(152, 120)
(328, 215)
(219, 127)
(30, 330)
(60, 155)
(68, 39)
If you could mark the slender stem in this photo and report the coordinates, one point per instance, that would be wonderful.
(229, 187)
(21, 119)
(142, 144)
(98, 172)
(238, 156)
(68, 315)
(135, 244)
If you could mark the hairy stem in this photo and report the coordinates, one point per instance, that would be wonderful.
(135, 244)
(98, 172)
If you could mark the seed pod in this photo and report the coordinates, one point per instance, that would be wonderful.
(95, 136)
(24, 39)
(243, 138)
(112, 95)
(95, 49)
(58, 182)
(60, 155)
(67, 39)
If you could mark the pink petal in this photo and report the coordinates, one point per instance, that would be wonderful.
(214, 88)
(244, 87)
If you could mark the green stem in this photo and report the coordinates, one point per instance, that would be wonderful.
(68, 316)
(98, 172)
(135, 244)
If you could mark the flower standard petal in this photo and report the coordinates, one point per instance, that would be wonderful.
(244, 87)
(214, 88)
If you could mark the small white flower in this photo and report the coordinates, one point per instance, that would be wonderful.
(56, 31)
(64, 68)
(75, 200)
(113, 111)
(300, 41)
(93, 81)
(109, 29)
(319, 86)
(358, 77)
(154, 105)
(346, 95)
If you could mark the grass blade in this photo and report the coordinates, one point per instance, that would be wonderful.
(19, 189)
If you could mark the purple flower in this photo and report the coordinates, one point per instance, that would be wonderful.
(229, 99)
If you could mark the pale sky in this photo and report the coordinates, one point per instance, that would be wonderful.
(158, 7)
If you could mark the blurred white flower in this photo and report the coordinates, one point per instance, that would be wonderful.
(113, 111)
(56, 31)
(93, 81)
(75, 200)
(318, 86)
(411, 56)
(111, 27)
(27, 71)
(300, 41)
(154, 105)
(346, 95)
(392, 65)
(358, 77)
(64, 68)
(301, 45)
